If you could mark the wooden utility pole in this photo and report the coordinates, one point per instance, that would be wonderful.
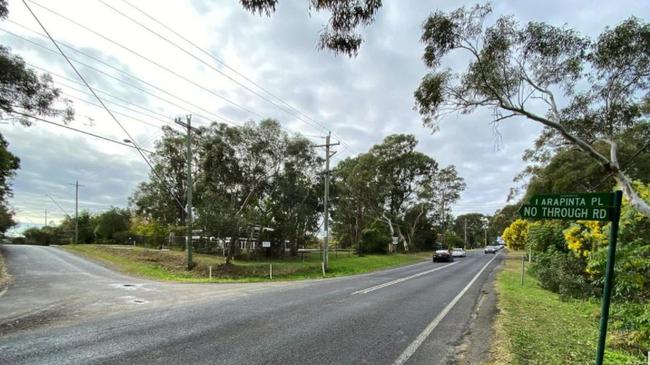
(328, 155)
(465, 231)
(76, 212)
(188, 209)
(442, 224)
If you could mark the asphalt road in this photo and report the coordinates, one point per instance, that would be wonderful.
(63, 309)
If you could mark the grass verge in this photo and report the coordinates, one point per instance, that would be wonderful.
(170, 265)
(535, 327)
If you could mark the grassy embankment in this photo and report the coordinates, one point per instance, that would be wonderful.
(536, 327)
(170, 265)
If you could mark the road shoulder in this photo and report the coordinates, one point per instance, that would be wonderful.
(475, 346)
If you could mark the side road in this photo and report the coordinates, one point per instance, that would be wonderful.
(414, 314)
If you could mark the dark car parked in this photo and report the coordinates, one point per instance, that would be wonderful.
(442, 255)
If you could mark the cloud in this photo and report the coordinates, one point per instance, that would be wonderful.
(361, 99)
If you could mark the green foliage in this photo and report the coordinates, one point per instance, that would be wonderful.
(546, 235)
(24, 91)
(110, 223)
(396, 185)
(346, 16)
(501, 220)
(632, 271)
(452, 240)
(563, 273)
(375, 239)
(475, 224)
(631, 322)
(601, 84)
(9, 163)
(86, 227)
(536, 327)
(43, 236)
(159, 200)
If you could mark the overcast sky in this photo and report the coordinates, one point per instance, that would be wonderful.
(361, 100)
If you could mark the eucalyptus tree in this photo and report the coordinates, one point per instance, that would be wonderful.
(581, 90)
(390, 183)
(340, 34)
(447, 187)
(239, 167)
(164, 197)
(24, 92)
(356, 201)
(295, 197)
(9, 163)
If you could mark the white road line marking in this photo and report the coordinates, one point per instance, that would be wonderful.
(410, 350)
(397, 281)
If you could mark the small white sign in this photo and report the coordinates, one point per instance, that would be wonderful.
(395, 240)
(266, 243)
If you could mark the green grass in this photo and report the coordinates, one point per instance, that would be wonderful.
(170, 265)
(535, 327)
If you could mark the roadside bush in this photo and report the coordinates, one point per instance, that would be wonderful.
(516, 235)
(375, 240)
(452, 240)
(543, 235)
(632, 271)
(563, 273)
(631, 321)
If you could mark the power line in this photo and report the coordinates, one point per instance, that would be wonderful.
(292, 110)
(157, 88)
(116, 112)
(158, 115)
(135, 144)
(78, 130)
(146, 58)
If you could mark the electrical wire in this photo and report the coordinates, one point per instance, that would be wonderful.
(135, 53)
(135, 144)
(76, 130)
(133, 77)
(292, 110)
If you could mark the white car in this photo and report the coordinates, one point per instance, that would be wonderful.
(458, 252)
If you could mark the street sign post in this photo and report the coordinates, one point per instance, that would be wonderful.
(584, 206)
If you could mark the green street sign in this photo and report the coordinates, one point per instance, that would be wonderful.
(566, 212)
(584, 206)
(573, 200)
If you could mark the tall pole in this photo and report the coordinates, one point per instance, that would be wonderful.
(189, 192)
(442, 225)
(327, 195)
(328, 155)
(76, 213)
(609, 277)
(465, 222)
(485, 236)
(188, 209)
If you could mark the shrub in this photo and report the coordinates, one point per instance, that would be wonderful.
(563, 273)
(632, 322)
(375, 240)
(516, 235)
(631, 271)
(544, 235)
